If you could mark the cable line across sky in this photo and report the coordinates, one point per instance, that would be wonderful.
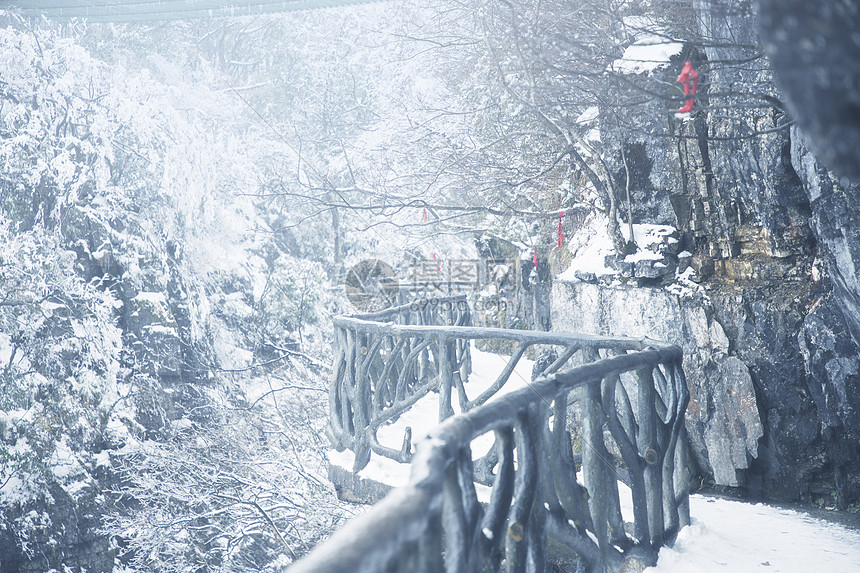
(125, 11)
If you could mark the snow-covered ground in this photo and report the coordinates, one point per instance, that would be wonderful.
(732, 536)
(725, 537)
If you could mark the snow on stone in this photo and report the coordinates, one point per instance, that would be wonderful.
(16, 487)
(14, 490)
(684, 286)
(63, 462)
(153, 329)
(647, 239)
(230, 355)
(590, 246)
(646, 235)
(589, 117)
(643, 255)
(235, 305)
(102, 459)
(646, 55)
(154, 298)
(650, 51)
(117, 431)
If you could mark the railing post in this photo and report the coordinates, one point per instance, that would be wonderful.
(517, 539)
(672, 423)
(617, 534)
(348, 386)
(490, 540)
(446, 379)
(596, 459)
(682, 479)
(454, 521)
(337, 417)
(625, 437)
(544, 497)
(360, 402)
(594, 456)
(649, 450)
(681, 476)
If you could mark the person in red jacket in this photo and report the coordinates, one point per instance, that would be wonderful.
(690, 79)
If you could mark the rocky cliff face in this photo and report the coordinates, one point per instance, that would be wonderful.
(772, 242)
(830, 331)
(724, 439)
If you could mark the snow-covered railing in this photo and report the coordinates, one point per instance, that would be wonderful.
(380, 371)
(628, 392)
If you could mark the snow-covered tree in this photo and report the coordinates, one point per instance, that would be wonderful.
(141, 315)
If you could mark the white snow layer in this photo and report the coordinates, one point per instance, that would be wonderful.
(732, 536)
(590, 246)
(590, 118)
(646, 55)
(651, 49)
(645, 235)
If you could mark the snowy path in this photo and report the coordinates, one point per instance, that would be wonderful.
(725, 537)
(732, 536)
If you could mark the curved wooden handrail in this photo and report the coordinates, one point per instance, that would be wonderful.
(535, 498)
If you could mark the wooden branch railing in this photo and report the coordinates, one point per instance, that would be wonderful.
(379, 372)
(628, 393)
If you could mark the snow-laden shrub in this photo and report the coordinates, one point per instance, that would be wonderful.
(147, 333)
(245, 495)
(59, 349)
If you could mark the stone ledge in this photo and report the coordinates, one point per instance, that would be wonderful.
(355, 489)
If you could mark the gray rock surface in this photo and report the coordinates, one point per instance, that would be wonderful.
(813, 48)
(771, 340)
(722, 418)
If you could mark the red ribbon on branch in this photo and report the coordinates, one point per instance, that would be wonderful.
(425, 214)
(534, 258)
(440, 264)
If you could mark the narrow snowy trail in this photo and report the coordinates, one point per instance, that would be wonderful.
(732, 536)
(725, 537)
